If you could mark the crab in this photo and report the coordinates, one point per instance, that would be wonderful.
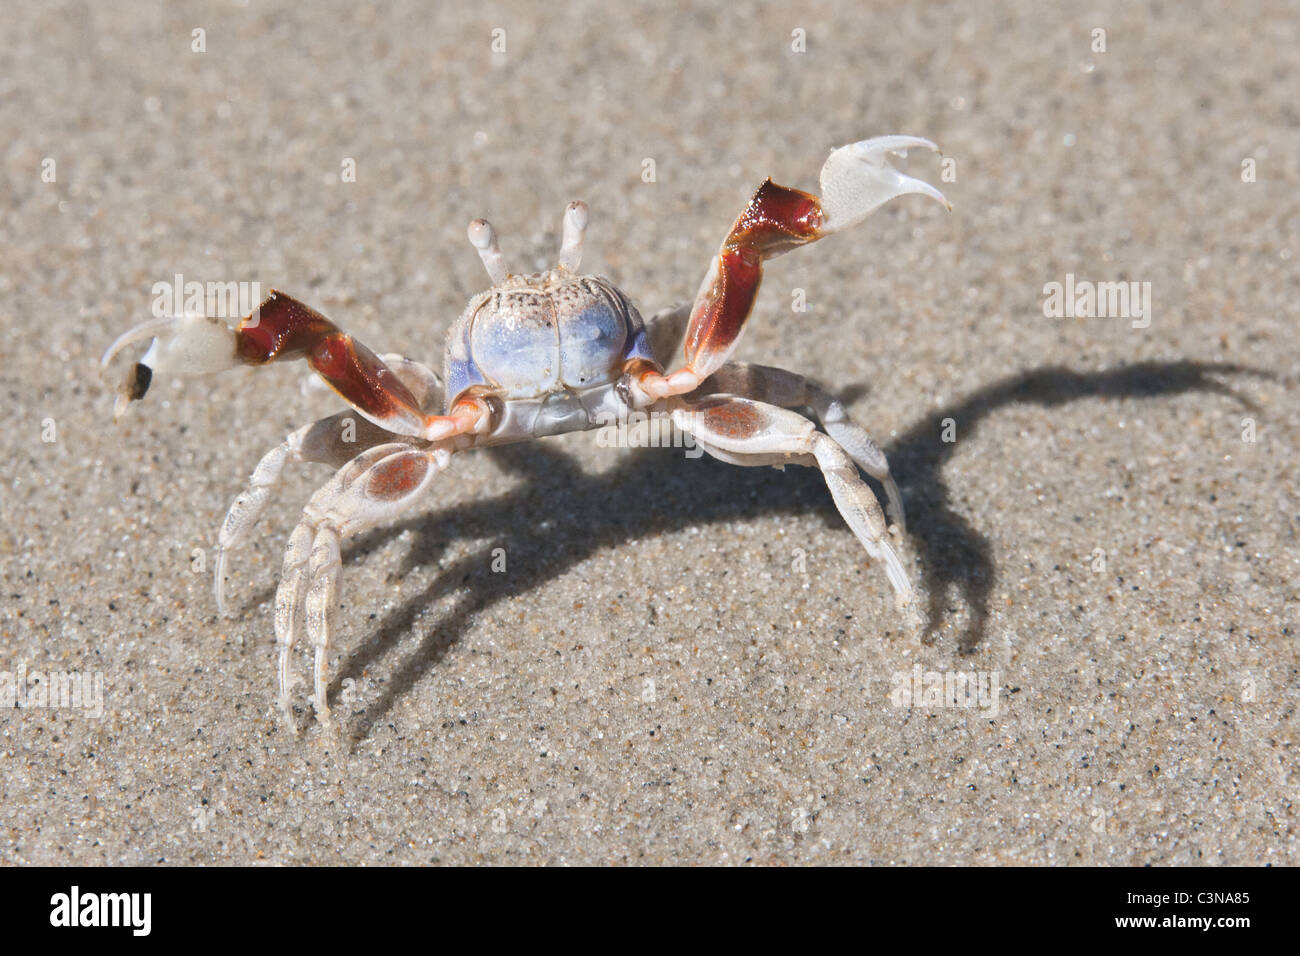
(533, 356)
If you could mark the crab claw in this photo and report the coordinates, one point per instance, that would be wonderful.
(190, 344)
(857, 179)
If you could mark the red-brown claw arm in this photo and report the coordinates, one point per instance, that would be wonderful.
(284, 328)
(855, 180)
(776, 220)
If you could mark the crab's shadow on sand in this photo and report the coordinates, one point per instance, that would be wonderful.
(655, 492)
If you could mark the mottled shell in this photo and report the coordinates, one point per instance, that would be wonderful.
(536, 335)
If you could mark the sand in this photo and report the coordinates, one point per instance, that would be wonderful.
(682, 661)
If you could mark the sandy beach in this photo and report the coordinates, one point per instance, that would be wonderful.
(1084, 377)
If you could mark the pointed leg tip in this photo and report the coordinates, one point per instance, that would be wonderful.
(324, 716)
(913, 617)
(219, 583)
(286, 715)
(329, 728)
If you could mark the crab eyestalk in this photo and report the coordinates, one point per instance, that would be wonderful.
(484, 239)
(575, 229)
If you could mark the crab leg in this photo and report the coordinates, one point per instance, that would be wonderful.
(855, 180)
(746, 432)
(284, 328)
(294, 576)
(321, 441)
(334, 441)
(777, 386)
(373, 487)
